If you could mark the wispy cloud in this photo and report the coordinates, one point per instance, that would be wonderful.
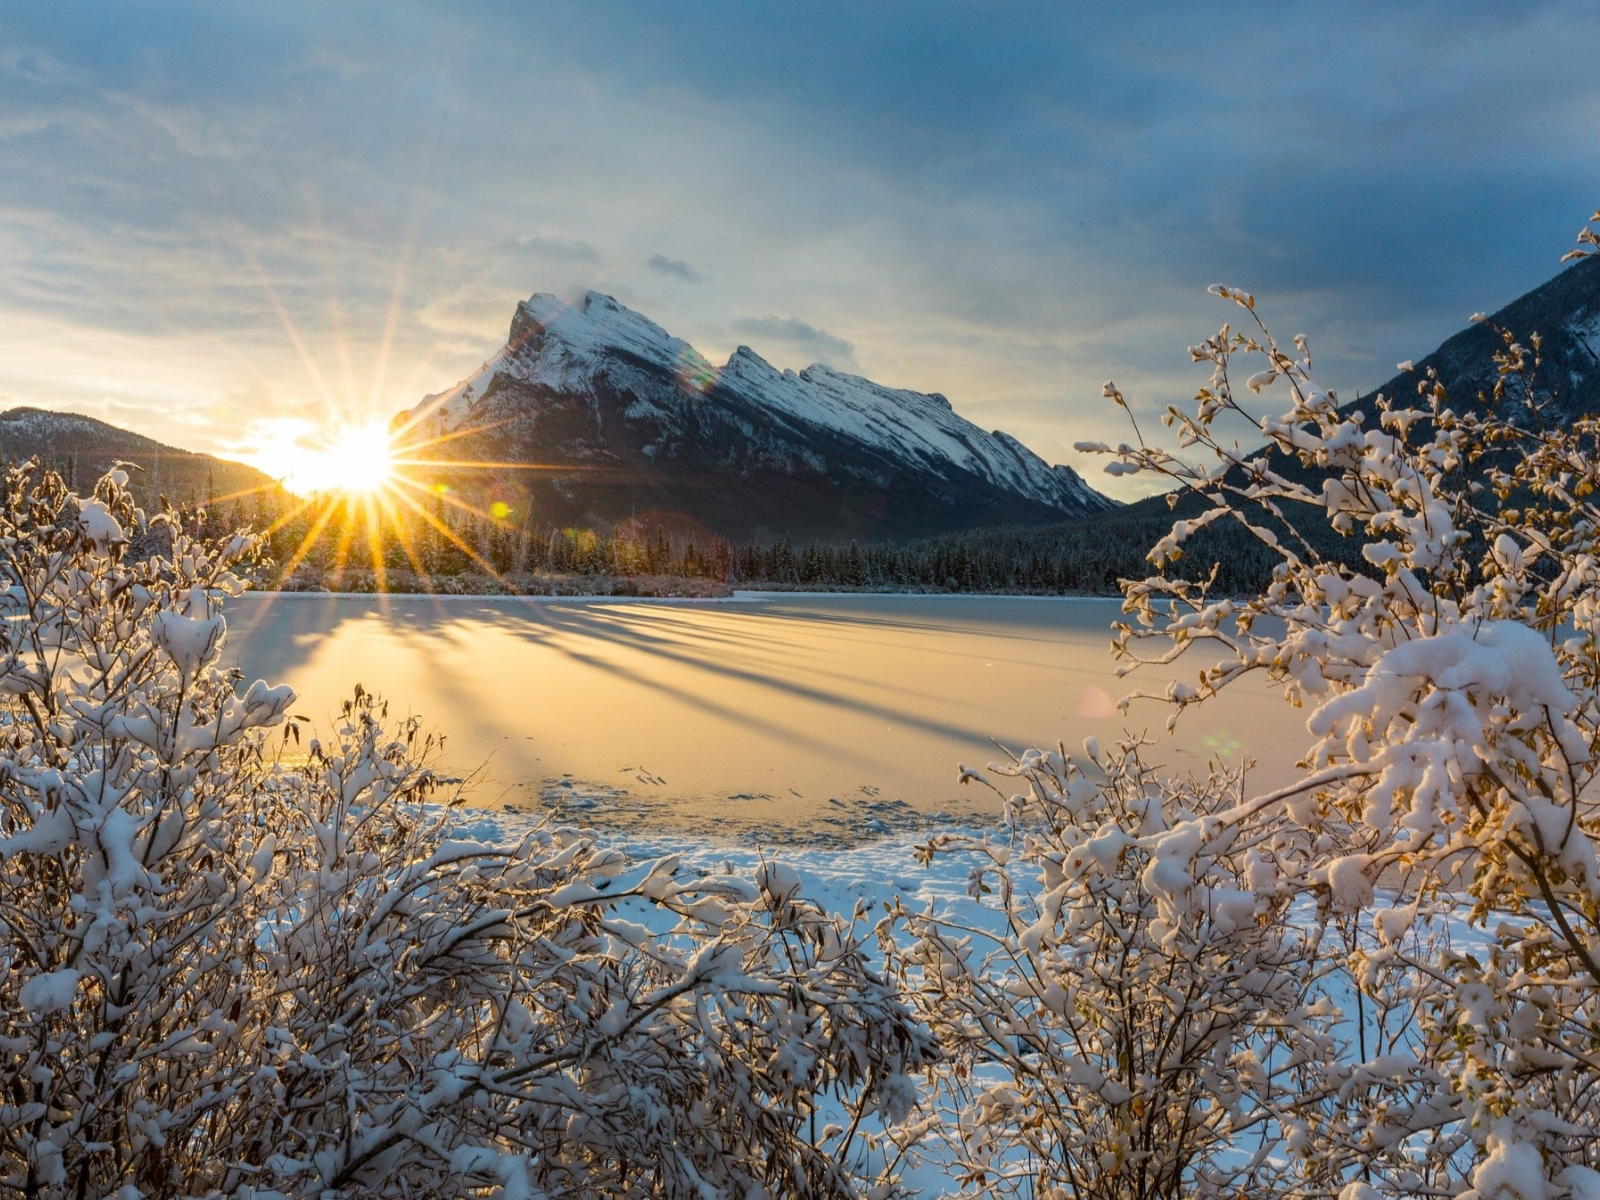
(1008, 212)
(792, 331)
(674, 267)
(492, 276)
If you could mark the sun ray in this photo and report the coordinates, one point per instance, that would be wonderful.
(448, 499)
(367, 496)
(341, 343)
(373, 516)
(350, 487)
(408, 246)
(318, 380)
(414, 382)
(346, 537)
(306, 544)
(408, 548)
(485, 464)
(284, 519)
(391, 321)
(402, 533)
(403, 432)
(449, 533)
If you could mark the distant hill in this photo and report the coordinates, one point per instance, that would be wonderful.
(592, 415)
(1564, 311)
(1092, 554)
(83, 449)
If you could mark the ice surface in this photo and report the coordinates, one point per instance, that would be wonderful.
(773, 718)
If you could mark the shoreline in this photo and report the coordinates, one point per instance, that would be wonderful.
(496, 597)
(737, 595)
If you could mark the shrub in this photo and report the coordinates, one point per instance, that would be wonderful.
(1144, 1006)
(236, 966)
(1452, 673)
(1383, 980)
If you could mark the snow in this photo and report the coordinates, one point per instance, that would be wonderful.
(874, 876)
(50, 992)
(1513, 1170)
(99, 526)
(1582, 1182)
(190, 642)
(874, 872)
(573, 343)
(1435, 701)
(871, 874)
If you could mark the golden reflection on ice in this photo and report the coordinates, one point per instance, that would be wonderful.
(786, 713)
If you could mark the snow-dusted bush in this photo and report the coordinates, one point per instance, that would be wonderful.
(1451, 673)
(239, 966)
(1136, 1023)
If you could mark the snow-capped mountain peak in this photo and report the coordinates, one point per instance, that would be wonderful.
(638, 386)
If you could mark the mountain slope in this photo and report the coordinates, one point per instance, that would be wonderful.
(594, 414)
(83, 449)
(1564, 311)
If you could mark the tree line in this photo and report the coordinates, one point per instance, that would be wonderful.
(1086, 556)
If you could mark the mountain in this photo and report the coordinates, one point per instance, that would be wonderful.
(593, 414)
(1564, 311)
(83, 449)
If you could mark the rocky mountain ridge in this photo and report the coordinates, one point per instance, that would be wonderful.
(1564, 311)
(593, 414)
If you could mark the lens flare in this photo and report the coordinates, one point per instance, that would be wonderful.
(694, 372)
(1095, 702)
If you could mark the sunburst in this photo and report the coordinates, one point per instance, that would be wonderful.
(342, 457)
(362, 489)
(356, 486)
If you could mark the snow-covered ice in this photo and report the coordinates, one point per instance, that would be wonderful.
(779, 717)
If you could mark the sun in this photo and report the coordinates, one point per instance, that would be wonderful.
(363, 456)
(349, 456)
(348, 498)
(354, 491)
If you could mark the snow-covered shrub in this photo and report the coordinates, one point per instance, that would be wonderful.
(1451, 673)
(235, 965)
(1133, 1022)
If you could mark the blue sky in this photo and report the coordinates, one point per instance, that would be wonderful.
(214, 214)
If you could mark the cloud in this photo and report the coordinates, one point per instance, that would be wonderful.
(490, 278)
(1007, 211)
(675, 267)
(824, 346)
(556, 249)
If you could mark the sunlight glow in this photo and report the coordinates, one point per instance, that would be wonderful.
(350, 458)
(355, 493)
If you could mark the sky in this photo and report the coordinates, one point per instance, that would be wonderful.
(217, 217)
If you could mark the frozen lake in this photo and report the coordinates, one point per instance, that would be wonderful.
(789, 717)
